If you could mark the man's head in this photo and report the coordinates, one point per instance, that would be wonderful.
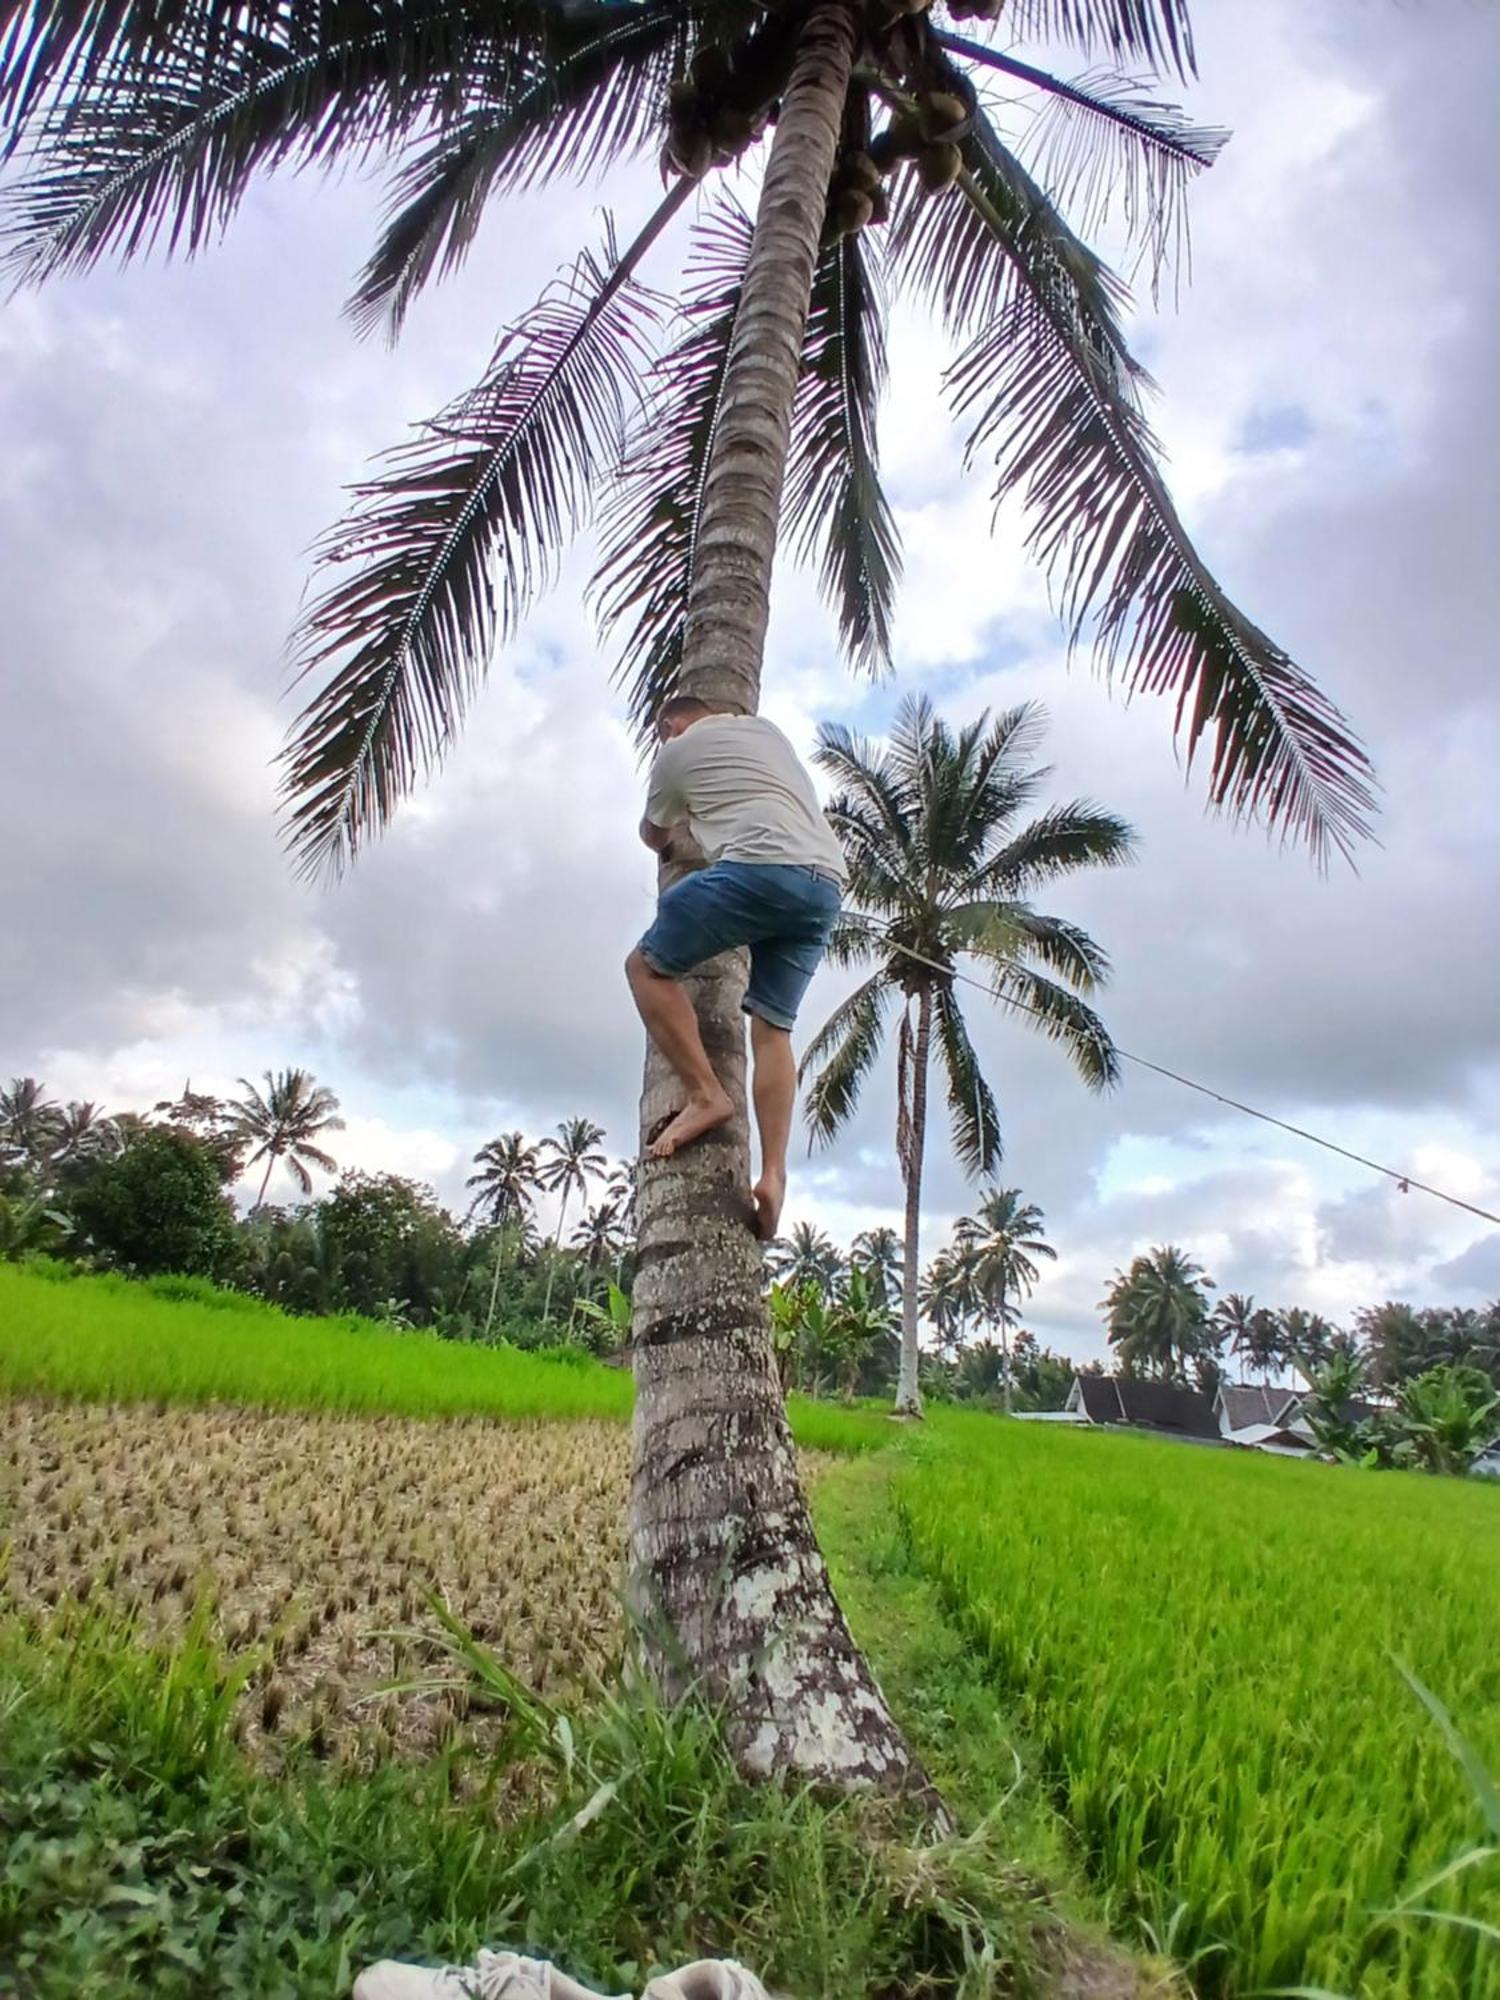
(680, 713)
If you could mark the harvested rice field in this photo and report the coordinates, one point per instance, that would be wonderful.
(318, 1539)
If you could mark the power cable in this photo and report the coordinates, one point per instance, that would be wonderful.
(1405, 1182)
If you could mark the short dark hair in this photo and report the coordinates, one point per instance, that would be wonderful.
(679, 706)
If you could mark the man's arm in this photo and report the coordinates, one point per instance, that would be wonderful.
(665, 806)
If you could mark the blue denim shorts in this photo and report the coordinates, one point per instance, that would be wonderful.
(783, 914)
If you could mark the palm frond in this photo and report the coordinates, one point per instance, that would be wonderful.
(845, 1047)
(833, 492)
(976, 1118)
(1065, 837)
(874, 792)
(854, 940)
(650, 525)
(1062, 1017)
(1102, 141)
(589, 92)
(881, 875)
(503, 478)
(1064, 949)
(162, 146)
(1155, 33)
(53, 53)
(1046, 385)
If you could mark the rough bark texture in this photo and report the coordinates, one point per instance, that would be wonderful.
(913, 1145)
(726, 1578)
(730, 594)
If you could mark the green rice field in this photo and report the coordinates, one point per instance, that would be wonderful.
(1202, 1646)
(1200, 1651)
(108, 1339)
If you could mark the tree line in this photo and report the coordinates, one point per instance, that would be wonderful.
(150, 1192)
(1399, 1386)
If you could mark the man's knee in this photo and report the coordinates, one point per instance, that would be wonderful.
(768, 1036)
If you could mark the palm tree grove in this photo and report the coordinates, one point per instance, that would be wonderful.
(841, 1509)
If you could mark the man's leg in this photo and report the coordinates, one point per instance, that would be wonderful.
(775, 1099)
(673, 1026)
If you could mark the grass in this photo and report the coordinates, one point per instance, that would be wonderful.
(145, 1855)
(111, 1339)
(1201, 1646)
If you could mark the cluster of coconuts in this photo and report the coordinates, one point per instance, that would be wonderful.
(927, 135)
(717, 110)
(975, 10)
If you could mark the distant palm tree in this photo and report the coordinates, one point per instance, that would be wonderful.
(940, 868)
(877, 1252)
(1158, 1314)
(947, 1297)
(601, 1235)
(1004, 1241)
(807, 1256)
(285, 1121)
(572, 1159)
(30, 1122)
(621, 1188)
(509, 1175)
(1305, 1340)
(83, 1133)
(1234, 1318)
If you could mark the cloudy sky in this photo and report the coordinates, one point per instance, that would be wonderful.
(174, 437)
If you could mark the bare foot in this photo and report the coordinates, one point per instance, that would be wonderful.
(697, 1116)
(769, 1194)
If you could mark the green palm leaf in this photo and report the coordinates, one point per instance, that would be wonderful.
(843, 1052)
(1155, 33)
(1062, 1017)
(1105, 146)
(976, 1117)
(589, 93)
(165, 144)
(499, 481)
(833, 492)
(1064, 837)
(1048, 386)
(650, 526)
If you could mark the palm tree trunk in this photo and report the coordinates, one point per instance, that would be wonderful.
(562, 1216)
(489, 1318)
(727, 1581)
(908, 1384)
(1005, 1350)
(265, 1183)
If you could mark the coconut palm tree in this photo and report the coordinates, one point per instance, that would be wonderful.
(283, 1123)
(760, 403)
(947, 1297)
(31, 1123)
(1234, 1319)
(1159, 1314)
(940, 869)
(508, 1178)
(1303, 1340)
(601, 1235)
(1004, 1241)
(807, 1257)
(568, 1161)
(877, 1252)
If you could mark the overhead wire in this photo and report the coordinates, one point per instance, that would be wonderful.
(1406, 1182)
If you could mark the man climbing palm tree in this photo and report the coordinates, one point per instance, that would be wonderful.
(773, 882)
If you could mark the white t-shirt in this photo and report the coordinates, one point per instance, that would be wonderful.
(745, 795)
